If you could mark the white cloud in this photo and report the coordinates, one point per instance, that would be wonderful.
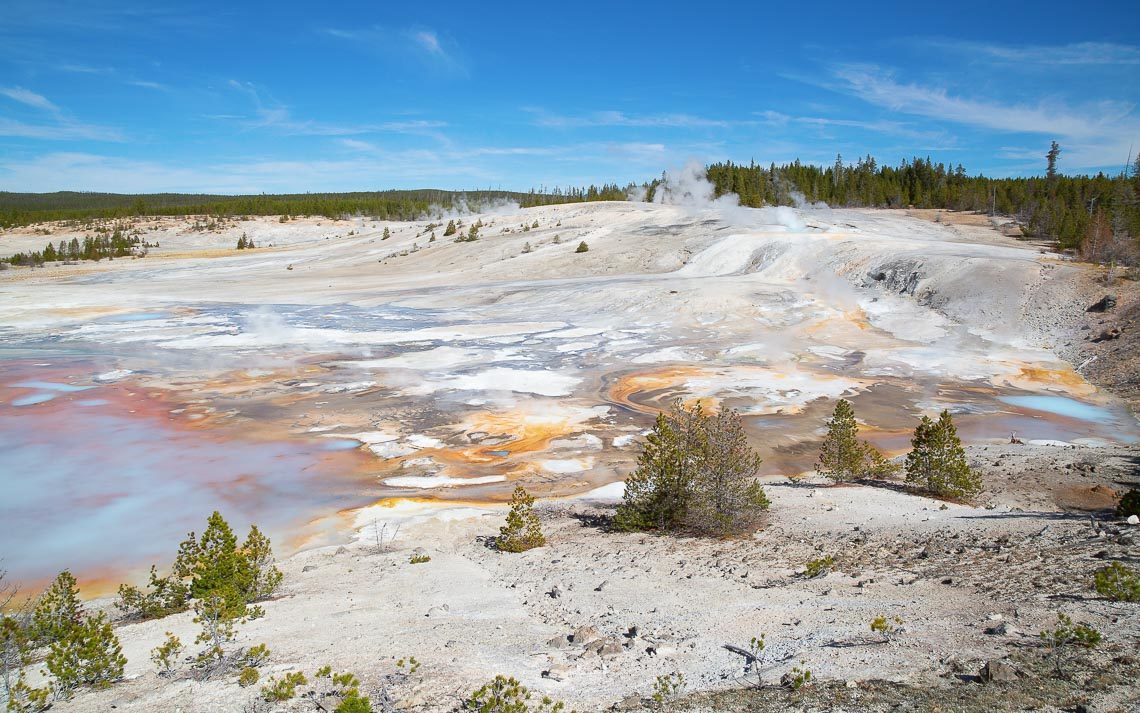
(617, 118)
(424, 44)
(879, 88)
(1081, 53)
(882, 126)
(1093, 135)
(429, 41)
(278, 117)
(28, 97)
(64, 131)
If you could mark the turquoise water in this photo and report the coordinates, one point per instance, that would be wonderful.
(1063, 406)
(49, 386)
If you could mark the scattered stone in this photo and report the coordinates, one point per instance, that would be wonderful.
(308, 568)
(601, 586)
(611, 648)
(661, 650)
(557, 672)
(1133, 520)
(995, 670)
(1104, 304)
(342, 550)
(558, 642)
(1002, 629)
(555, 592)
(585, 633)
(1108, 335)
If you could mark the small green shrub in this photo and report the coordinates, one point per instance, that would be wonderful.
(1118, 583)
(408, 666)
(89, 655)
(818, 567)
(582, 247)
(419, 559)
(167, 657)
(668, 687)
(353, 702)
(797, 678)
(1066, 637)
(277, 690)
(1129, 503)
(523, 530)
(162, 597)
(22, 698)
(507, 695)
(248, 676)
(256, 655)
(888, 627)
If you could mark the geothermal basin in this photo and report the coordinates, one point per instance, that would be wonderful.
(292, 385)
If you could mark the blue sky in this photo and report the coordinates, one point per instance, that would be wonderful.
(292, 96)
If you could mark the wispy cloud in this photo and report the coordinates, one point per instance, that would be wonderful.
(880, 126)
(148, 85)
(272, 115)
(60, 127)
(617, 118)
(63, 131)
(111, 72)
(1094, 132)
(30, 98)
(427, 45)
(1081, 53)
(875, 86)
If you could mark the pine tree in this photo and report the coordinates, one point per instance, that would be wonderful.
(841, 456)
(937, 462)
(657, 492)
(90, 655)
(450, 230)
(725, 496)
(57, 611)
(264, 577)
(696, 472)
(582, 247)
(219, 569)
(523, 530)
(387, 234)
(1051, 161)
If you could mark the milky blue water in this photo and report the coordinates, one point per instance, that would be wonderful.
(1063, 406)
(90, 486)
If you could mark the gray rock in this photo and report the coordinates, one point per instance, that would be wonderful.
(557, 672)
(1104, 304)
(611, 648)
(1133, 520)
(1002, 629)
(308, 568)
(558, 642)
(995, 670)
(555, 592)
(585, 633)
